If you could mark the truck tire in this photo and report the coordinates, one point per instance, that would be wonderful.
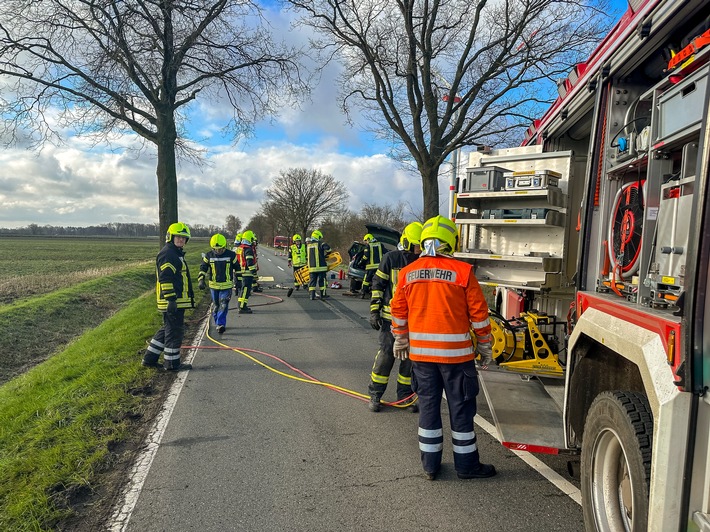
(616, 463)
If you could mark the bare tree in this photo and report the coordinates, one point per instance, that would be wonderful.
(389, 215)
(436, 75)
(232, 225)
(300, 198)
(102, 67)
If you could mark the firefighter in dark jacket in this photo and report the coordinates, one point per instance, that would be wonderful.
(247, 263)
(371, 257)
(384, 284)
(174, 294)
(317, 251)
(220, 267)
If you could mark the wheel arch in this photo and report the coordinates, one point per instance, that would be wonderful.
(608, 351)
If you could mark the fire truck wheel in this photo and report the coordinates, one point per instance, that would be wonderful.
(616, 462)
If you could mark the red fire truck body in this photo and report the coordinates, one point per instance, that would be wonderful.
(595, 234)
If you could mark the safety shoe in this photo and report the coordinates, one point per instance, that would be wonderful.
(258, 289)
(298, 287)
(325, 296)
(374, 405)
(483, 471)
(431, 475)
(290, 291)
(182, 367)
(154, 365)
(220, 329)
(245, 310)
(414, 408)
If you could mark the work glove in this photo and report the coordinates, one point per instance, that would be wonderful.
(201, 284)
(486, 352)
(172, 306)
(401, 347)
(375, 320)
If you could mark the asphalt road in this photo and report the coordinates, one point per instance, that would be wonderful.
(249, 449)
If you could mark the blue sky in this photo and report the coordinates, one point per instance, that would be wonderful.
(78, 184)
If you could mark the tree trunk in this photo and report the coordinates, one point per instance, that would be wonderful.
(430, 191)
(167, 173)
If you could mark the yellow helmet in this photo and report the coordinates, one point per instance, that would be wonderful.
(316, 235)
(177, 229)
(442, 229)
(368, 238)
(238, 238)
(248, 235)
(411, 236)
(296, 237)
(218, 241)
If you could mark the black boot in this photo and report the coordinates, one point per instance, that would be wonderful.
(374, 405)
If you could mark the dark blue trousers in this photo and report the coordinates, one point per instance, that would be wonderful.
(460, 382)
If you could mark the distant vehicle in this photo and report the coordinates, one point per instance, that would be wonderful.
(281, 242)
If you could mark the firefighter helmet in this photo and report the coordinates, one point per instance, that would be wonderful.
(177, 229)
(218, 241)
(296, 237)
(369, 238)
(411, 236)
(248, 235)
(316, 235)
(238, 239)
(442, 229)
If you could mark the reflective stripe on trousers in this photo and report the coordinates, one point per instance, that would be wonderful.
(167, 340)
(460, 383)
(382, 367)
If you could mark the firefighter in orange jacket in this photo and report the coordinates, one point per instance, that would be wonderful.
(437, 302)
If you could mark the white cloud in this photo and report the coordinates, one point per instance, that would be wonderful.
(74, 187)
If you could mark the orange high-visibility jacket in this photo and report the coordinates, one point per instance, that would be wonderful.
(437, 302)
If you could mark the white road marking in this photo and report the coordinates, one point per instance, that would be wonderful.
(553, 477)
(122, 512)
(268, 259)
(280, 268)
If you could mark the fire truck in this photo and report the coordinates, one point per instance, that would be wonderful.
(595, 235)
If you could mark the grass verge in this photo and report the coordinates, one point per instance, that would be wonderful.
(61, 421)
(36, 328)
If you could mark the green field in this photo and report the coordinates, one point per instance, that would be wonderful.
(76, 314)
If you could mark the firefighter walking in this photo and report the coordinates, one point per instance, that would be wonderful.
(317, 251)
(438, 300)
(384, 285)
(297, 258)
(174, 294)
(371, 257)
(220, 267)
(247, 264)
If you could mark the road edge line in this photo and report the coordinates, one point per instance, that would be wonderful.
(139, 472)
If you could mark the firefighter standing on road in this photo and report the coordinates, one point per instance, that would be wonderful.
(384, 285)
(297, 258)
(371, 257)
(220, 266)
(317, 266)
(247, 263)
(174, 295)
(438, 300)
(238, 276)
